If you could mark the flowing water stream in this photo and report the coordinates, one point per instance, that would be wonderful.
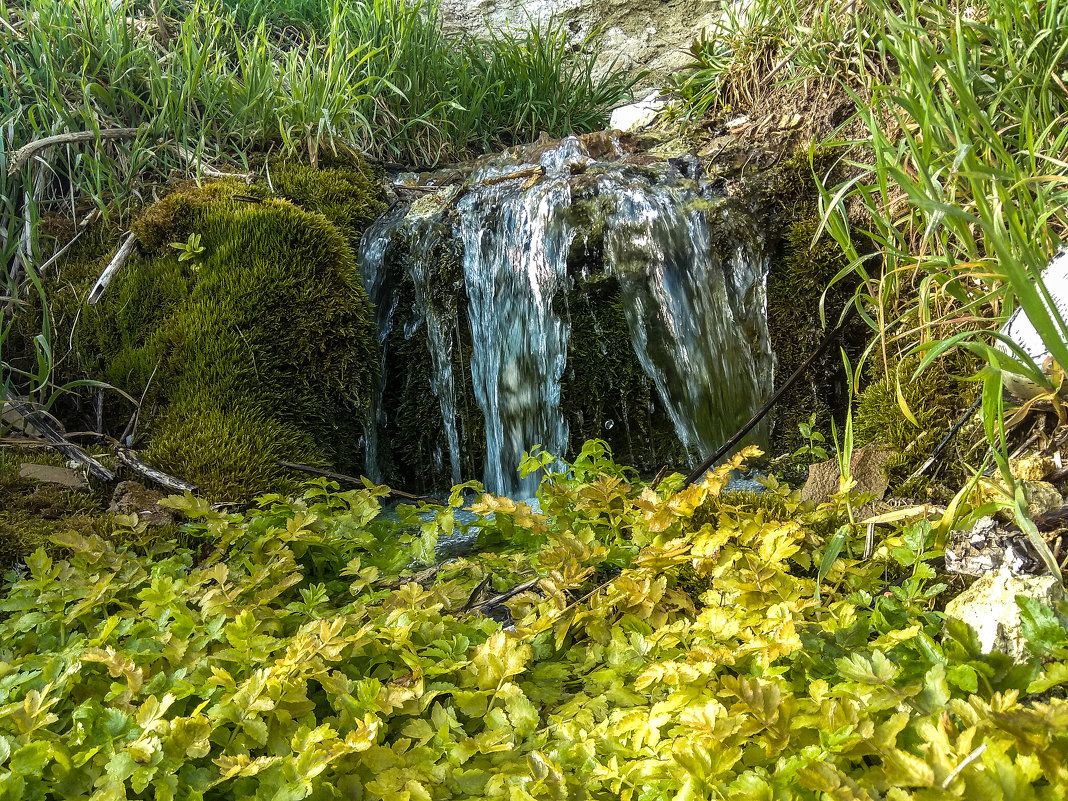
(531, 228)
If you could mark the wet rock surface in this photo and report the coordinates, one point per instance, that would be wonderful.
(134, 498)
(58, 476)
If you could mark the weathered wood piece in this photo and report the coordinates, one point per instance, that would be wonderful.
(534, 172)
(59, 442)
(147, 471)
(28, 151)
(112, 269)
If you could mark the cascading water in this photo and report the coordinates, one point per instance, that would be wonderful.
(679, 310)
(514, 268)
(531, 227)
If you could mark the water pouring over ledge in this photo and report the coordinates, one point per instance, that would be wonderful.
(537, 234)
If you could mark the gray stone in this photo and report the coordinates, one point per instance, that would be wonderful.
(59, 476)
(637, 116)
(641, 34)
(991, 547)
(989, 606)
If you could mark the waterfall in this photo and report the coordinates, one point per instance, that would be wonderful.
(514, 269)
(679, 311)
(533, 225)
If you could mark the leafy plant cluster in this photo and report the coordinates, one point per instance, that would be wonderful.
(663, 644)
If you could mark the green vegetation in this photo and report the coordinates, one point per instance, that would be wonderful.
(180, 88)
(650, 658)
(259, 348)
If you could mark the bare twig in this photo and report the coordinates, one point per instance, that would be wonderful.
(352, 481)
(497, 600)
(533, 172)
(194, 161)
(112, 269)
(59, 442)
(828, 340)
(948, 438)
(26, 152)
(974, 755)
(168, 482)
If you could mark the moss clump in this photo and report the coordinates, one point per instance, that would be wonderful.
(31, 513)
(937, 398)
(347, 196)
(260, 348)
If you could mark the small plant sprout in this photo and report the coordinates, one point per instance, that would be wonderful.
(813, 449)
(189, 249)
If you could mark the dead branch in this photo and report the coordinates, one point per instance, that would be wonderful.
(194, 161)
(112, 269)
(49, 432)
(28, 151)
(497, 600)
(533, 172)
(341, 478)
(147, 471)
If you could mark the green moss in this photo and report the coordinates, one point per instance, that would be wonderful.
(261, 348)
(31, 513)
(936, 398)
(345, 195)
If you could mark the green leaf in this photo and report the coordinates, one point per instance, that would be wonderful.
(1040, 627)
(30, 759)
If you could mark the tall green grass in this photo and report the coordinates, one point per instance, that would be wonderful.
(958, 187)
(230, 78)
(965, 183)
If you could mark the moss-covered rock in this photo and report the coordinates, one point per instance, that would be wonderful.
(261, 347)
(936, 398)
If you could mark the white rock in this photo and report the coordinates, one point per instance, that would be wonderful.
(637, 116)
(989, 607)
(1022, 331)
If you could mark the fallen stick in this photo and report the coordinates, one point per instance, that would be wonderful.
(533, 172)
(112, 269)
(61, 443)
(194, 161)
(497, 600)
(27, 151)
(948, 438)
(341, 478)
(147, 471)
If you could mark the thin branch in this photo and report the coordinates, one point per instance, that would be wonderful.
(168, 482)
(59, 442)
(26, 152)
(341, 478)
(194, 161)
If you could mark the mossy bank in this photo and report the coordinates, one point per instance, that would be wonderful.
(255, 341)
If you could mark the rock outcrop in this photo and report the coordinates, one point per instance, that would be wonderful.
(644, 34)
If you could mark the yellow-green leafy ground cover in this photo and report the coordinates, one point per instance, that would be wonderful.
(674, 643)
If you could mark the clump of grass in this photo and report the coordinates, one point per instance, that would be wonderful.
(759, 45)
(211, 83)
